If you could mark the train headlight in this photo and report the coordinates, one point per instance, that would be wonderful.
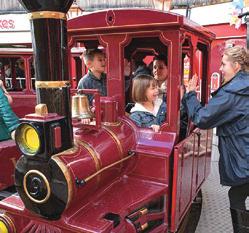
(3, 227)
(28, 139)
(41, 134)
(6, 224)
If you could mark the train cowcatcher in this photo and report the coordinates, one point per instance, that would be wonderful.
(109, 176)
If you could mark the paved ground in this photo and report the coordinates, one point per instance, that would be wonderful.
(215, 216)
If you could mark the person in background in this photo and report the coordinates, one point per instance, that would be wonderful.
(8, 120)
(95, 78)
(149, 111)
(128, 78)
(141, 68)
(7, 70)
(160, 72)
(20, 69)
(228, 110)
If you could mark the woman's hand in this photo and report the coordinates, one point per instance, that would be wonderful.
(156, 128)
(192, 84)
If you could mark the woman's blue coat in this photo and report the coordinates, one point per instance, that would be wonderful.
(228, 110)
(8, 119)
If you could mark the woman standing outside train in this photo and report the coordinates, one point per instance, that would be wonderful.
(228, 110)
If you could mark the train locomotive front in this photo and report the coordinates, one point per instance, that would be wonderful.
(109, 176)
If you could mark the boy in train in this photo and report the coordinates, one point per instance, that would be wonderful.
(95, 78)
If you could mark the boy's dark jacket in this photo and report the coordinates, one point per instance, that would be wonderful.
(89, 81)
(228, 110)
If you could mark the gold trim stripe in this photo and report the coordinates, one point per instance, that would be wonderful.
(6, 219)
(116, 140)
(67, 176)
(52, 84)
(143, 211)
(47, 15)
(92, 152)
(111, 123)
(95, 156)
(44, 179)
(105, 168)
(144, 226)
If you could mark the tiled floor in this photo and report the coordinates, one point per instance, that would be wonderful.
(215, 216)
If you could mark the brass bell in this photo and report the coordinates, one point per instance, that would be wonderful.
(75, 106)
(84, 109)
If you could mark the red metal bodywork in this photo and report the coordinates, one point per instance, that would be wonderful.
(226, 35)
(163, 170)
(9, 156)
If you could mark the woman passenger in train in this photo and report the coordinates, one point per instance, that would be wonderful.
(8, 119)
(160, 72)
(228, 110)
(149, 110)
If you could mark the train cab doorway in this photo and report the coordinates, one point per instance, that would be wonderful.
(194, 149)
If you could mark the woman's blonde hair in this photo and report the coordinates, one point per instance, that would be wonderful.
(139, 86)
(238, 54)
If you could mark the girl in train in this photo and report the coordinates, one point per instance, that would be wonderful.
(8, 119)
(149, 110)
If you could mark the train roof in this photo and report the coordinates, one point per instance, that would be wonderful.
(128, 20)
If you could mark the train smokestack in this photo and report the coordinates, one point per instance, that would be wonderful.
(49, 41)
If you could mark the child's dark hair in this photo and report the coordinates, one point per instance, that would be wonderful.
(139, 87)
(88, 55)
(161, 57)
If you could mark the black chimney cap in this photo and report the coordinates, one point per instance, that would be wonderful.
(46, 5)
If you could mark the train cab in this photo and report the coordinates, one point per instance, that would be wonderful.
(187, 50)
(110, 175)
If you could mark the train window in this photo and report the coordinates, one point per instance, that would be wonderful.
(149, 56)
(32, 73)
(202, 53)
(88, 60)
(188, 69)
(78, 67)
(187, 58)
(13, 73)
(193, 63)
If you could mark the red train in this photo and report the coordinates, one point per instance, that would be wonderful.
(110, 176)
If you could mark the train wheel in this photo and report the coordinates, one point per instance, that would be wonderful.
(191, 219)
